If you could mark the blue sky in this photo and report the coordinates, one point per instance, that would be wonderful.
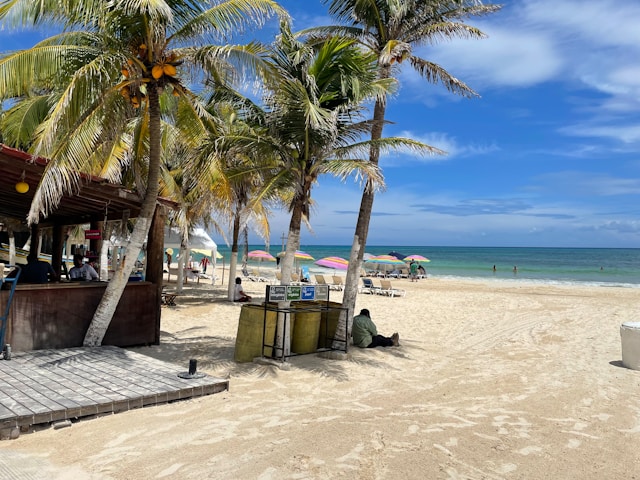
(547, 156)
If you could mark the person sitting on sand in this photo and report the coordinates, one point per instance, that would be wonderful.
(239, 295)
(365, 333)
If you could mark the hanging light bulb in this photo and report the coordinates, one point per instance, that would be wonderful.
(22, 186)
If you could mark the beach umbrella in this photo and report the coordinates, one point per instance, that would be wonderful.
(398, 255)
(260, 256)
(385, 263)
(206, 253)
(386, 260)
(300, 255)
(417, 258)
(338, 263)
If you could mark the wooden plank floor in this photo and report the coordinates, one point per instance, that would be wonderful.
(44, 386)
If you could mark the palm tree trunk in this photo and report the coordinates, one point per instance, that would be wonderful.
(362, 227)
(109, 302)
(283, 337)
(182, 264)
(233, 262)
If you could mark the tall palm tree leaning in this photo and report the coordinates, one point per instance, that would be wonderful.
(390, 29)
(314, 119)
(114, 57)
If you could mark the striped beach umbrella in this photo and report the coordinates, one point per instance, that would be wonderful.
(300, 255)
(417, 258)
(338, 263)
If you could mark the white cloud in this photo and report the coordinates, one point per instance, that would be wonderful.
(439, 140)
(507, 58)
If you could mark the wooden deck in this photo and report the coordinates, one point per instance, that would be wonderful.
(45, 386)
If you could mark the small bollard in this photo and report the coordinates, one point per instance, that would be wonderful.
(7, 352)
(193, 371)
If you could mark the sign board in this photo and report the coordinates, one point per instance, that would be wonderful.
(322, 292)
(92, 235)
(308, 292)
(277, 293)
(294, 293)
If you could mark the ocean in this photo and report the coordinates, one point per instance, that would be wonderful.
(595, 266)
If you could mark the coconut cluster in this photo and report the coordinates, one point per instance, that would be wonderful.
(142, 69)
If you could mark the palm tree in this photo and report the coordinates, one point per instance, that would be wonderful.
(113, 62)
(231, 175)
(313, 116)
(390, 29)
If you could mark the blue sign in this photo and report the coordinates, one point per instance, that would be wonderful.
(308, 292)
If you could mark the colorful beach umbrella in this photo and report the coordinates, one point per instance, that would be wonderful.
(338, 263)
(385, 263)
(261, 255)
(386, 260)
(300, 255)
(417, 258)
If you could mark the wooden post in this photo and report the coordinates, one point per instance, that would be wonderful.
(95, 244)
(155, 257)
(57, 246)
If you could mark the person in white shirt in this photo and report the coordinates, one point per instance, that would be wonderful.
(82, 271)
(239, 295)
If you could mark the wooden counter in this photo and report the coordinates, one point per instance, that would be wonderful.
(57, 315)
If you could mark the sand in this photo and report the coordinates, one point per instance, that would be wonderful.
(492, 381)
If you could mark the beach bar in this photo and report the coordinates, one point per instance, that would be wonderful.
(57, 315)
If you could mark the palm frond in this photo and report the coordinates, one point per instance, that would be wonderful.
(434, 73)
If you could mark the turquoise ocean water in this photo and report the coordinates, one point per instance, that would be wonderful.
(597, 266)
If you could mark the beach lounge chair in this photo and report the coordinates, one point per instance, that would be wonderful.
(305, 276)
(256, 277)
(368, 286)
(338, 284)
(387, 289)
(320, 279)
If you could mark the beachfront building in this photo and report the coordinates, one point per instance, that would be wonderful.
(57, 315)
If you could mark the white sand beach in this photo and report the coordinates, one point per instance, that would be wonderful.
(491, 381)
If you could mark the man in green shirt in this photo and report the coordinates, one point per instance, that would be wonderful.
(413, 271)
(365, 333)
